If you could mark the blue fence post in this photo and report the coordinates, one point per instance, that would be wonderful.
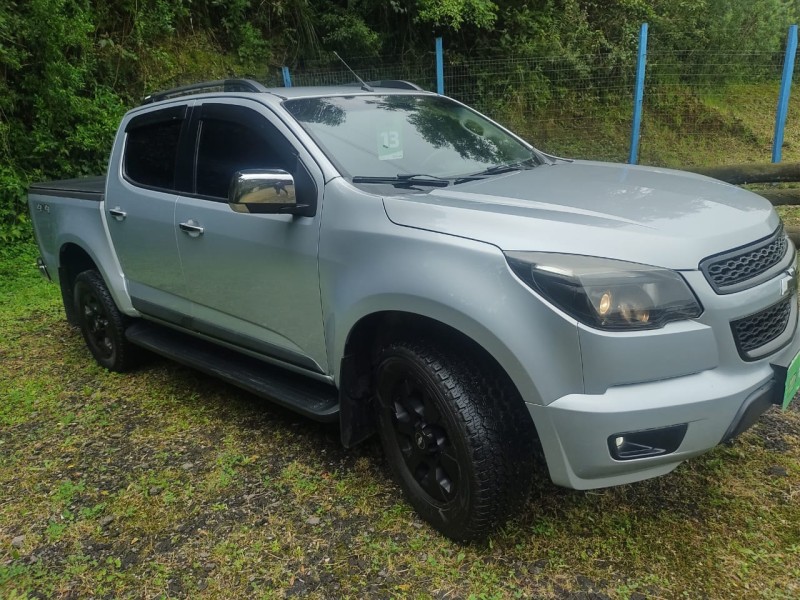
(287, 79)
(638, 96)
(783, 96)
(439, 67)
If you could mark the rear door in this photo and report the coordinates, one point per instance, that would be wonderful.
(252, 278)
(140, 211)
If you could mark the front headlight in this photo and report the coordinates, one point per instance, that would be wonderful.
(607, 294)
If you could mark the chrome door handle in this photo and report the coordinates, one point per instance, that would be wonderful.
(117, 213)
(192, 228)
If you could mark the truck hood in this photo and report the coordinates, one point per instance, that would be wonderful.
(653, 216)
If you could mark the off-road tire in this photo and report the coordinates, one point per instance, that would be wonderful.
(101, 323)
(482, 423)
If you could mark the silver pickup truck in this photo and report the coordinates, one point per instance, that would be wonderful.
(392, 260)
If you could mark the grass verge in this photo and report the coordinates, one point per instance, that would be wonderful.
(165, 483)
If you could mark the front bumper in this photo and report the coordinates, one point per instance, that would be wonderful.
(715, 405)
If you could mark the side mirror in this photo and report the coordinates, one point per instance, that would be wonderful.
(265, 191)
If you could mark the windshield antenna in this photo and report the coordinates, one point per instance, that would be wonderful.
(364, 85)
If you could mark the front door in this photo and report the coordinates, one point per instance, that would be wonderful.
(252, 278)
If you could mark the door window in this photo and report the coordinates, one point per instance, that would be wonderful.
(228, 146)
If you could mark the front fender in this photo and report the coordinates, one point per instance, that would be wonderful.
(370, 265)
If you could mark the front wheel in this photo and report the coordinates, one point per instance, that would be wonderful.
(458, 440)
(101, 323)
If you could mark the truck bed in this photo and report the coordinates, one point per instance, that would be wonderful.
(67, 217)
(82, 188)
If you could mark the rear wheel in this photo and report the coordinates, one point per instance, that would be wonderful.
(459, 441)
(101, 323)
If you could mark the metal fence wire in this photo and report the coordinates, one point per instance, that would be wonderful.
(716, 108)
(723, 103)
(420, 71)
(563, 105)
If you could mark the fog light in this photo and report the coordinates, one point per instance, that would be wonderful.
(647, 442)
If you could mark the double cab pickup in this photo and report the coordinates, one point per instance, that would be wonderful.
(394, 261)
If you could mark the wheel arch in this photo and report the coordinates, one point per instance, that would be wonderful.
(364, 341)
(73, 259)
(75, 256)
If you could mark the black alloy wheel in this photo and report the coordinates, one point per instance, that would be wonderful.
(420, 431)
(96, 319)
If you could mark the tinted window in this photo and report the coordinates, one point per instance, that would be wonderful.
(226, 147)
(151, 152)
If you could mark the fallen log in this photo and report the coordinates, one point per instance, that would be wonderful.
(785, 197)
(752, 173)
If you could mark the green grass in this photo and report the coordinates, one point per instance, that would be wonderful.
(166, 483)
(681, 126)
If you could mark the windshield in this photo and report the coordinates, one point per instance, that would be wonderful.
(387, 136)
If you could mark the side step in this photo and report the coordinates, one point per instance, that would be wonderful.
(308, 397)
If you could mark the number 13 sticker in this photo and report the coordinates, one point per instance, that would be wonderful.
(390, 144)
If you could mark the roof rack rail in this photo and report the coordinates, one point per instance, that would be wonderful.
(227, 85)
(393, 83)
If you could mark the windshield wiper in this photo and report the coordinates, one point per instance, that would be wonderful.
(528, 163)
(406, 179)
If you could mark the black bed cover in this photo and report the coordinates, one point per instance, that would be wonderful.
(83, 188)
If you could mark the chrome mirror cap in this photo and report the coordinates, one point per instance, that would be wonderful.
(262, 191)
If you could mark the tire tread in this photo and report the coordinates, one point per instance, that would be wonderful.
(127, 355)
(498, 433)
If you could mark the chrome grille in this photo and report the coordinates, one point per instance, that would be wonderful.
(753, 332)
(726, 271)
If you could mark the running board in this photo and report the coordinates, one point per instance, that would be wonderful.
(306, 396)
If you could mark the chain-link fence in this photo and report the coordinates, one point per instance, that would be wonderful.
(421, 71)
(713, 109)
(558, 104)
